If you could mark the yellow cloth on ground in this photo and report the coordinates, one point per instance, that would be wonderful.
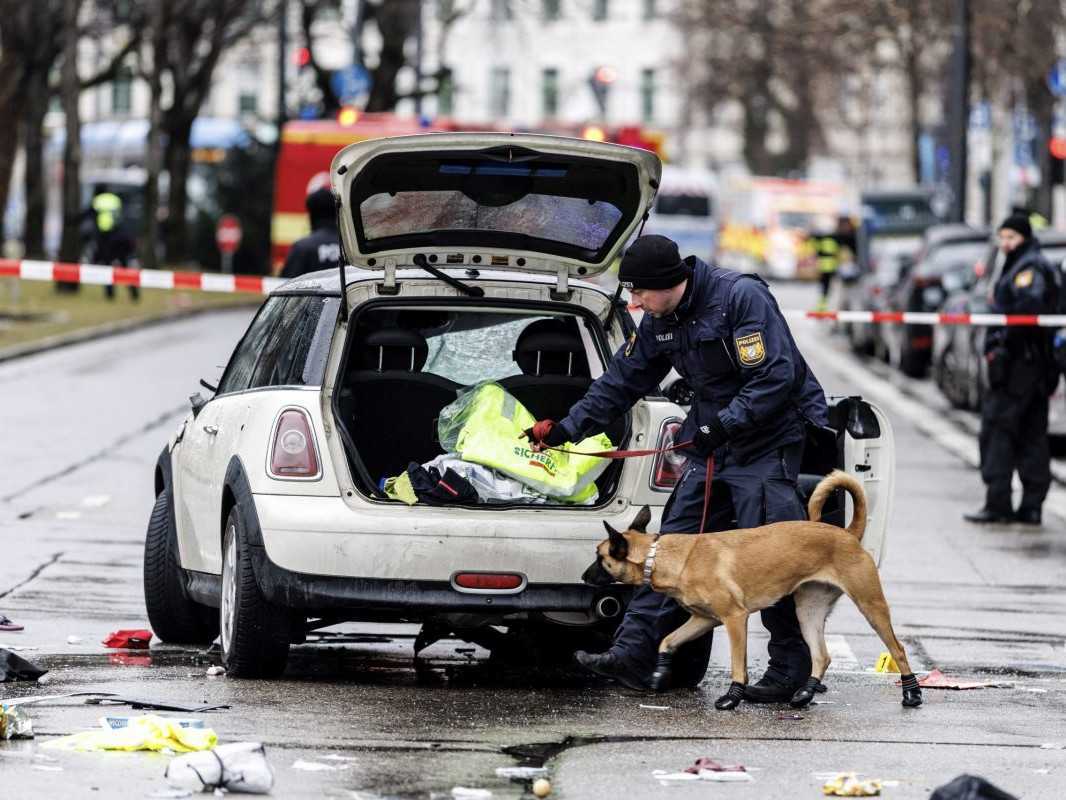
(143, 733)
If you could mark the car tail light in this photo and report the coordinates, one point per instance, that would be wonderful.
(666, 471)
(488, 581)
(293, 454)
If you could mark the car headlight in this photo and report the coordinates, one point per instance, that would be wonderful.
(932, 296)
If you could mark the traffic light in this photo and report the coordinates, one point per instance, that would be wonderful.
(1057, 149)
(600, 81)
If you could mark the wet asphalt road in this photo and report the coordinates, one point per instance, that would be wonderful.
(84, 425)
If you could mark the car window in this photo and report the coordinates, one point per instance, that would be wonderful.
(304, 326)
(951, 256)
(238, 372)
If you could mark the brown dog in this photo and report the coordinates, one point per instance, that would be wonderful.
(721, 578)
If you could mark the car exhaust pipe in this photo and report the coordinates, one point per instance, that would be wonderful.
(608, 607)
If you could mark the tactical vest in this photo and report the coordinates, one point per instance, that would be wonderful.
(107, 207)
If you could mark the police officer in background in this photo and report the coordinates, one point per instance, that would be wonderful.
(753, 394)
(321, 249)
(1021, 376)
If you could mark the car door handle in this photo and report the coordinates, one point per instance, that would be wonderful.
(211, 429)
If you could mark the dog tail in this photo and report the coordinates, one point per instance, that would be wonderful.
(830, 483)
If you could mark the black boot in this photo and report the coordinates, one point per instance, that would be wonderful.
(609, 665)
(912, 692)
(660, 679)
(804, 694)
(1028, 516)
(732, 698)
(767, 690)
(989, 516)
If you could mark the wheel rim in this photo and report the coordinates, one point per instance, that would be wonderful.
(229, 588)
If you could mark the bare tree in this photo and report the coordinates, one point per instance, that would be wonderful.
(118, 27)
(185, 43)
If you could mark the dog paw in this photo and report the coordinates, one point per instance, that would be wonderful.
(912, 698)
(732, 698)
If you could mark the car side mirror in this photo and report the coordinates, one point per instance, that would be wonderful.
(197, 402)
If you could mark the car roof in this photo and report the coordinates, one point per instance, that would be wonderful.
(326, 281)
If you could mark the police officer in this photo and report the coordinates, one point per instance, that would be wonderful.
(111, 245)
(753, 391)
(321, 249)
(1021, 375)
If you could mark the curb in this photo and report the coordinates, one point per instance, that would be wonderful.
(99, 332)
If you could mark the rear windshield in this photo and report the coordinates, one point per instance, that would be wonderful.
(952, 256)
(570, 220)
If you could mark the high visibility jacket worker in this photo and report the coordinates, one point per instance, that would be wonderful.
(828, 251)
(107, 207)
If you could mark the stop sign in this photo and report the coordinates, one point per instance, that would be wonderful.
(228, 233)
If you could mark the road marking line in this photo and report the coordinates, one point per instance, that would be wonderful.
(96, 500)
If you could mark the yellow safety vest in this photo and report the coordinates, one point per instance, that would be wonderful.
(107, 207)
(828, 254)
(491, 434)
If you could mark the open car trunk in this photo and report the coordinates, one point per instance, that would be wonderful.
(407, 360)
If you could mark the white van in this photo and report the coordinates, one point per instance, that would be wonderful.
(684, 211)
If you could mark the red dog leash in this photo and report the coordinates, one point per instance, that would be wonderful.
(620, 454)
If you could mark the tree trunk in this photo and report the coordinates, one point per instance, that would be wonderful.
(70, 242)
(396, 20)
(756, 129)
(178, 159)
(915, 89)
(1041, 104)
(33, 137)
(11, 98)
(153, 156)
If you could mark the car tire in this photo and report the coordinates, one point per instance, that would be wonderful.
(174, 616)
(255, 632)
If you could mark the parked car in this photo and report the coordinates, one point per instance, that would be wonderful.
(947, 253)
(270, 519)
(957, 349)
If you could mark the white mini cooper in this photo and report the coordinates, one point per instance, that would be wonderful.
(466, 257)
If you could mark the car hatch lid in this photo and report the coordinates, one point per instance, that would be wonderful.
(525, 202)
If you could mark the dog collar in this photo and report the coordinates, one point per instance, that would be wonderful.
(649, 561)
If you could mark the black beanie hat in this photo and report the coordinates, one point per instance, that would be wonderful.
(1019, 223)
(321, 205)
(652, 262)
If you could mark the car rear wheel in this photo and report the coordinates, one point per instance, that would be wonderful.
(255, 632)
(174, 616)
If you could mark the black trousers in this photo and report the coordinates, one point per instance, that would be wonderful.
(1014, 438)
(744, 496)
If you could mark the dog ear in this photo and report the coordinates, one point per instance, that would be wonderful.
(619, 548)
(642, 519)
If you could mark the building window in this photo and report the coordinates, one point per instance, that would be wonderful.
(247, 103)
(647, 95)
(549, 88)
(122, 92)
(446, 95)
(599, 10)
(551, 10)
(500, 92)
(502, 10)
(650, 11)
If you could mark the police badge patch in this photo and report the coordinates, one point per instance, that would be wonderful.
(1024, 279)
(751, 349)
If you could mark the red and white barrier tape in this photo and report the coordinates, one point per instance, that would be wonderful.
(934, 318)
(147, 278)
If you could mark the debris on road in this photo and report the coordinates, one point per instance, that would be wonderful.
(139, 639)
(317, 766)
(142, 733)
(72, 639)
(789, 717)
(468, 793)
(542, 787)
(970, 787)
(7, 624)
(705, 769)
(14, 723)
(885, 663)
(38, 698)
(129, 660)
(16, 668)
(116, 723)
(237, 767)
(521, 773)
(214, 672)
(655, 708)
(137, 703)
(847, 784)
(938, 680)
(706, 764)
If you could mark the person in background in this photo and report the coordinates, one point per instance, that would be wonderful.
(320, 249)
(1021, 376)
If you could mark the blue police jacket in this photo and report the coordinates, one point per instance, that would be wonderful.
(729, 339)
